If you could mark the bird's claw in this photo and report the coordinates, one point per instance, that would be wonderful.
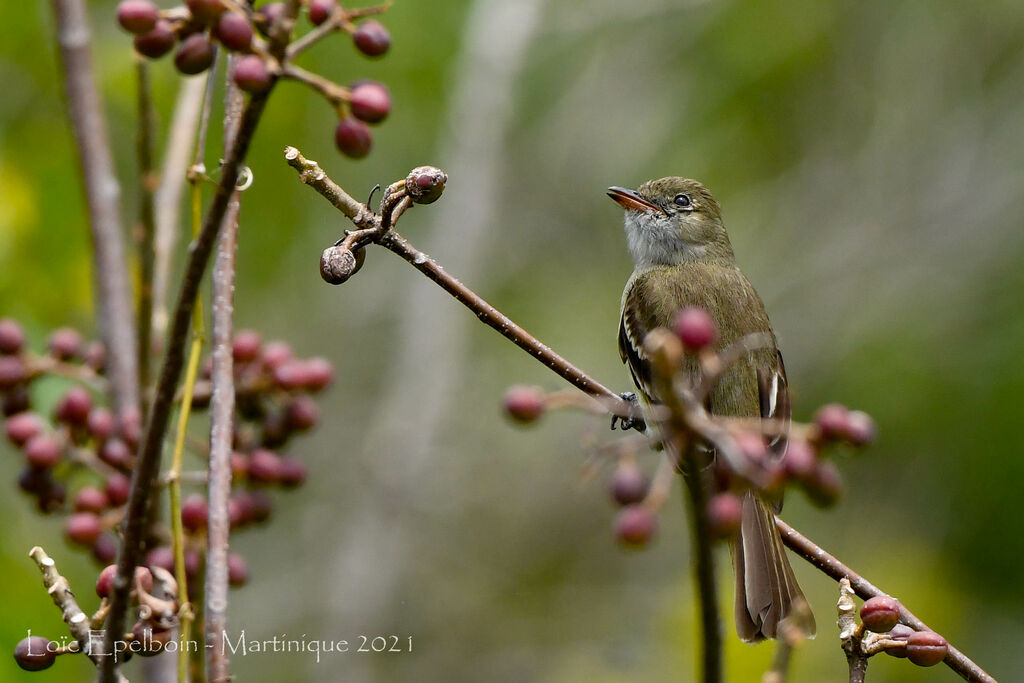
(627, 423)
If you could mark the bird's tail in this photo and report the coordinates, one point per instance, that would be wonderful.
(766, 590)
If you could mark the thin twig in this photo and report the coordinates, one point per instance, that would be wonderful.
(103, 197)
(337, 20)
(331, 91)
(59, 590)
(829, 565)
(147, 221)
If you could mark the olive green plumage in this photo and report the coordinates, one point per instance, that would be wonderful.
(683, 257)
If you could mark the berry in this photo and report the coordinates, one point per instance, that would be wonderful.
(12, 337)
(275, 430)
(43, 451)
(51, 499)
(319, 373)
(35, 653)
(12, 372)
(290, 375)
(370, 102)
(205, 11)
(90, 499)
(826, 485)
(800, 460)
(860, 428)
(105, 581)
(302, 413)
(267, 15)
(144, 577)
(695, 328)
(260, 506)
(831, 420)
(425, 184)
(65, 344)
(371, 38)
(251, 74)
(276, 353)
(926, 648)
(629, 484)
(338, 264)
(21, 428)
(247, 343)
(193, 564)
(156, 43)
(238, 571)
(880, 613)
(635, 525)
(137, 16)
(83, 528)
(116, 453)
(74, 407)
(239, 510)
(264, 466)
(161, 556)
(292, 472)
(131, 427)
(118, 488)
(234, 31)
(15, 400)
(725, 511)
(195, 55)
(101, 423)
(524, 404)
(36, 482)
(751, 445)
(104, 549)
(321, 10)
(353, 137)
(194, 512)
(239, 465)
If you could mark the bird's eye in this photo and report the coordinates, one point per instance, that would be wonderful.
(683, 200)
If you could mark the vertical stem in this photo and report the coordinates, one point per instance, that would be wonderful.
(704, 573)
(148, 180)
(103, 198)
(858, 667)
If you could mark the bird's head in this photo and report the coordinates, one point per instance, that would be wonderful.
(671, 221)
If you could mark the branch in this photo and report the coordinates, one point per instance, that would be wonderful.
(58, 589)
(830, 566)
(103, 198)
(147, 219)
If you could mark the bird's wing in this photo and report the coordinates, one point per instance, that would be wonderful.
(773, 392)
(631, 336)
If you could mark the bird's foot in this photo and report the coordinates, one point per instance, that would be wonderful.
(627, 423)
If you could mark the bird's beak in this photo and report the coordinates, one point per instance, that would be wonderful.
(630, 199)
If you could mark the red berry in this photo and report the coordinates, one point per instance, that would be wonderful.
(118, 489)
(194, 512)
(826, 485)
(12, 372)
(137, 16)
(234, 31)
(267, 15)
(292, 472)
(96, 356)
(800, 460)
(238, 571)
(371, 38)
(12, 337)
(239, 509)
(860, 428)
(635, 525)
(74, 407)
(751, 445)
(161, 556)
(370, 102)
(43, 451)
(205, 11)
(264, 466)
(22, 427)
(90, 499)
(35, 653)
(65, 344)
(319, 373)
(251, 74)
(260, 506)
(425, 184)
(831, 420)
(83, 528)
(247, 343)
(101, 423)
(239, 465)
(290, 375)
(144, 577)
(193, 563)
(130, 426)
(302, 413)
(880, 613)
(926, 648)
(353, 137)
(195, 55)
(524, 404)
(725, 512)
(157, 42)
(321, 10)
(276, 353)
(116, 453)
(105, 581)
(695, 328)
(104, 549)
(629, 484)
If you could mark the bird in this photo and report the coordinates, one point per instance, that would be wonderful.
(683, 258)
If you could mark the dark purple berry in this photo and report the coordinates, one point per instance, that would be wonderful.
(90, 499)
(195, 55)
(130, 427)
(826, 485)
(267, 15)
(36, 482)
(43, 451)
(524, 404)
(65, 344)
(238, 571)
(96, 356)
(260, 506)
(137, 16)
(635, 525)
(425, 184)
(16, 400)
(156, 43)
(353, 137)
(83, 528)
(105, 581)
(251, 74)
(725, 510)
(292, 472)
(234, 31)
(74, 407)
(13, 372)
(118, 488)
(370, 102)
(264, 466)
(101, 423)
(116, 453)
(194, 512)
(302, 414)
(800, 460)
(205, 11)
(321, 10)
(104, 549)
(371, 38)
(629, 484)
(21, 428)
(161, 556)
(926, 648)
(12, 337)
(880, 613)
(35, 653)
(695, 328)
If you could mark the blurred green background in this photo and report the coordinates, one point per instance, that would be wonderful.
(870, 160)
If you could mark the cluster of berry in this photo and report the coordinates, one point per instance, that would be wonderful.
(196, 27)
